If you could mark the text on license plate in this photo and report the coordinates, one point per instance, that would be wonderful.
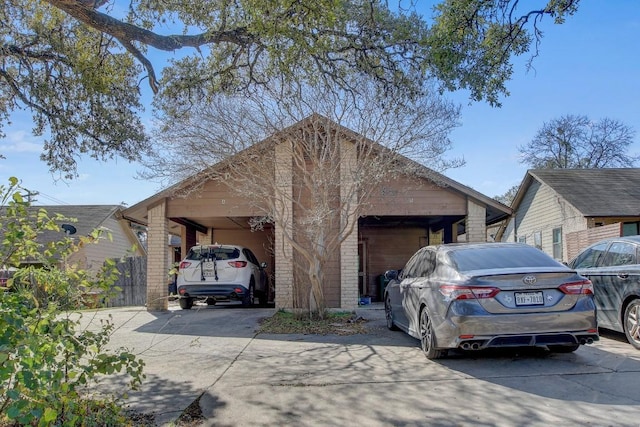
(208, 270)
(529, 298)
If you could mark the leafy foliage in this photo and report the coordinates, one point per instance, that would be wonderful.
(77, 65)
(472, 41)
(577, 142)
(46, 363)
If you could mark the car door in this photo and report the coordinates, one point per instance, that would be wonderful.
(399, 293)
(588, 265)
(414, 287)
(617, 274)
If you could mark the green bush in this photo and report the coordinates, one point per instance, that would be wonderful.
(46, 361)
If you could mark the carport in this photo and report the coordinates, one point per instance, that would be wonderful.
(385, 238)
(398, 217)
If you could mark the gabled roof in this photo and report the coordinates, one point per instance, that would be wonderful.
(496, 211)
(594, 192)
(89, 217)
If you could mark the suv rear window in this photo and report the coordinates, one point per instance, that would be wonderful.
(221, 253)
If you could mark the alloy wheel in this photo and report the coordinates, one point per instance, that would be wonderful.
(388, 314)
(632, 323)
(427, 337)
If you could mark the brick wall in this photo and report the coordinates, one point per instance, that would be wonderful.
(283, 251)
(476, 229)
(349, 248)
(157, 258)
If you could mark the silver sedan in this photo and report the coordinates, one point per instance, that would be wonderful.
(475, 296)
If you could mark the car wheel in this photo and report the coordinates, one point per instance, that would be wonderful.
(563, 348)
(247, 301)
(632, 323)
(186, 303)
(388, 313)
(428, 337)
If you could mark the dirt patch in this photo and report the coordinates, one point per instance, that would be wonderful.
(283, 322)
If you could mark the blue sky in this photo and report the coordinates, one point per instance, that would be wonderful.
(590, 65)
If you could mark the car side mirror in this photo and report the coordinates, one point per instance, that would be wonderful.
(263, 265)
(391, 274)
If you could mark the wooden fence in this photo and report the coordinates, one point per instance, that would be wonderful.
(579, 240)
(132, 282)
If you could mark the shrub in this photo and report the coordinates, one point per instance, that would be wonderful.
(46, 361)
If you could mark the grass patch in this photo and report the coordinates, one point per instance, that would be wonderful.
(338, 323)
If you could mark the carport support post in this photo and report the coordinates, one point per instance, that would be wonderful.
(282, 248)
(157, 257)
(349, 247)
(476, 227)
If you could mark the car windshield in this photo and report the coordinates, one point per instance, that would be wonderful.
(221, 253)
(492, 257)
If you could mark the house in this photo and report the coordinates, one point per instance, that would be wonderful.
(561, 211)
(414, 208)
(122, 240)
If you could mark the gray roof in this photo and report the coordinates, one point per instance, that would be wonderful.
(596, 192)
(89, 217)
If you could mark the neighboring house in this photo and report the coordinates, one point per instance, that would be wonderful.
(402, 215)
(563, 210)
(118, 241)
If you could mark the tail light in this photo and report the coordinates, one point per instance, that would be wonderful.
(454, 292)
(238, 264)
(583, 287)
(184, 264)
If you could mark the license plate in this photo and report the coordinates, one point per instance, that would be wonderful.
(529, 298)
(208, 270)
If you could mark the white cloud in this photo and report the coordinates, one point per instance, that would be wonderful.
(20, 141)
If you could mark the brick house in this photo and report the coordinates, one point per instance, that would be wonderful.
(413, 209)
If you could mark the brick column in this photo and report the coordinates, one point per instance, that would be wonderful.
(349, 248)
(476, 228)
(282, 248)
(157, 258)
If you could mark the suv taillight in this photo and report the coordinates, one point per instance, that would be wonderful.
(238, 264)
(184, 264)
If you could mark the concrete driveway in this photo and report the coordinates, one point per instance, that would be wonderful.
(377, 379)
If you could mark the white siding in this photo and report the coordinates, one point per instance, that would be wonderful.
(542, 210)
(120, 245)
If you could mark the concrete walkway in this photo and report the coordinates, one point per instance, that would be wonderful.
(376, 379)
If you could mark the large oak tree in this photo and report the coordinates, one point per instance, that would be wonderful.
(80, 67)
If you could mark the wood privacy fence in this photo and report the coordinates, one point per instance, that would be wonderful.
(132, 282)
(579, 240)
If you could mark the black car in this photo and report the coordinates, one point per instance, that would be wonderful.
(613, 267)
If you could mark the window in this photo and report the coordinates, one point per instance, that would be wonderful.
(620, 254)
(537, 239)
(590, 257)
(522, 239)
(421, 264)
(630, 229)
(557, 243)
